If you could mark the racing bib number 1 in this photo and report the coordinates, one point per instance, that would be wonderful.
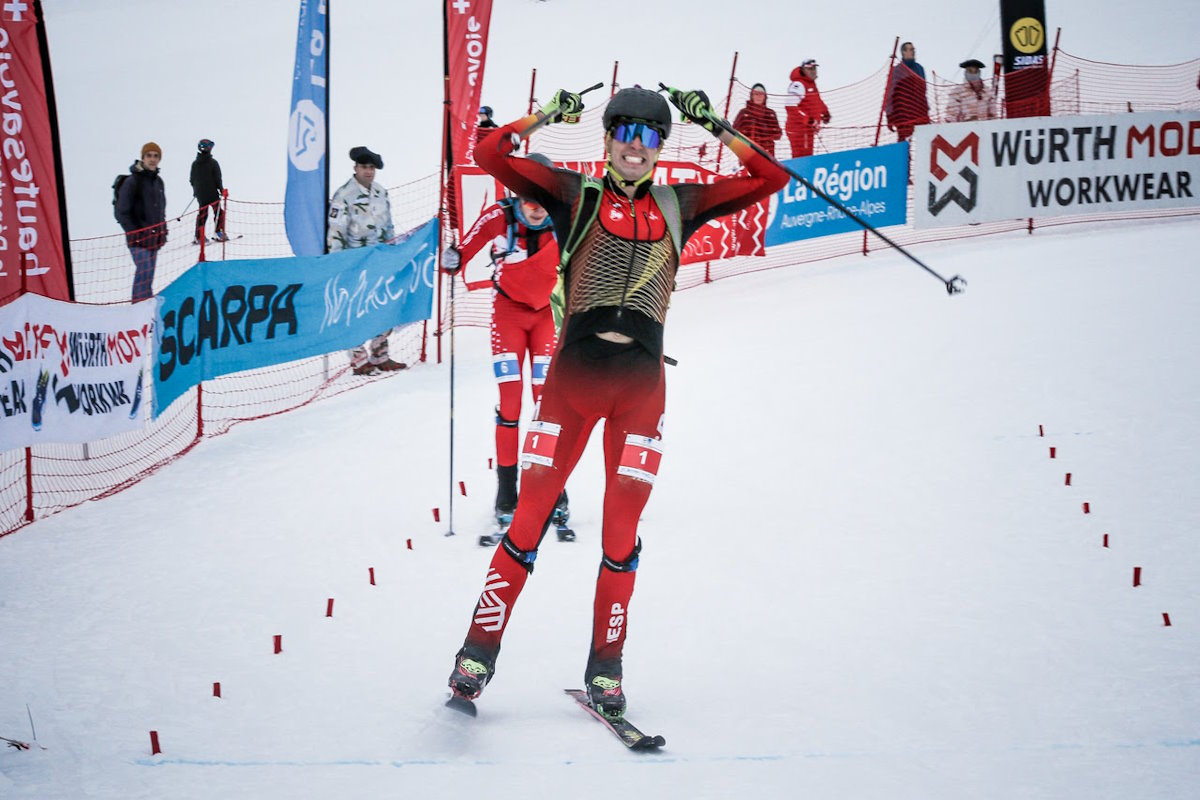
(640, 458)
(540, 441)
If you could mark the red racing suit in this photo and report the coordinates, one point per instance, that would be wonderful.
(522, 323)
(618, 280)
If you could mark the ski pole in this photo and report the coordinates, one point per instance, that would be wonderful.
(954, 285)
(450, 532)
(185, 209)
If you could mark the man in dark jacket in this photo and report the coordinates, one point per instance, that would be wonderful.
(906, 104)
(142, 212)
(207, 187)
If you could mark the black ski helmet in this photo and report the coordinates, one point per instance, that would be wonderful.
(204, 145)
(639, 105)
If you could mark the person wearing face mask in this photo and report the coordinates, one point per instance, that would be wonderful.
(621, 237)
(525, 256)
(972, 99)
(142, 212)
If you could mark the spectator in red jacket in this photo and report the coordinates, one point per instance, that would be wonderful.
(758, 121)
(806, 111)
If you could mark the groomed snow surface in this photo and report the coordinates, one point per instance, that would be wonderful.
(863, 574)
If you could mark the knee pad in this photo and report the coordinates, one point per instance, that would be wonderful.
(523, 557)
(628, 565)
(505, 423)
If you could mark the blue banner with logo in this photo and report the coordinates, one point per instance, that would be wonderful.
(221, 317)
(304, 201)
(871, 182)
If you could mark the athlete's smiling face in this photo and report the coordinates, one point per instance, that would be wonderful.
(631, 160)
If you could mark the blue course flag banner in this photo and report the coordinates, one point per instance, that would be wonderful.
(872, 182)
(221, 317)
(308, 163)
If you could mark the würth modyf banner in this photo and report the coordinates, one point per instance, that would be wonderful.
(308, 133)
(34, 254)
(467, 23)
(70, 372)
(1054, 166)
(222, 317)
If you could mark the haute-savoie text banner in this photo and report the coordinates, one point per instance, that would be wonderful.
(71, 373)
(221, 317)
(1053, 166)
(304, 199)
(871, 182)
(467, 23)
(31, 227)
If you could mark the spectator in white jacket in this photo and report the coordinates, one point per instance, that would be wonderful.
(360, 215)
(972, 99)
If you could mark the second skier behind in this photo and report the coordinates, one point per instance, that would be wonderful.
(525, 255)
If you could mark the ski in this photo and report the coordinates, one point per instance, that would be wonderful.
(503, 520)
(623, 729)
(462, 705)
(17, 743)
(215, 240)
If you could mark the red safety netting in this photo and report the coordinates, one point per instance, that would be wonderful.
(38, 481)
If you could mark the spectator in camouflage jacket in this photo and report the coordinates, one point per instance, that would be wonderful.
(360, 215)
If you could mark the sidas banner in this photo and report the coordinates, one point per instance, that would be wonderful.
(1053, 166)
(467, 23)
(1026, 67)
(70, 372)
(34, 255)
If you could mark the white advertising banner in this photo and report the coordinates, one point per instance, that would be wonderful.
(71, 373)
(1052, 166)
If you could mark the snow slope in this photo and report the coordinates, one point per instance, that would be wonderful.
(863, 574)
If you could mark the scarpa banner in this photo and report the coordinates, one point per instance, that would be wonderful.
(871, 182)
(1051, 166)
(71, 373)
(304, 200)
(221, 317)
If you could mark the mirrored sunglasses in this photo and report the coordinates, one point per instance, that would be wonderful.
(626, 132)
